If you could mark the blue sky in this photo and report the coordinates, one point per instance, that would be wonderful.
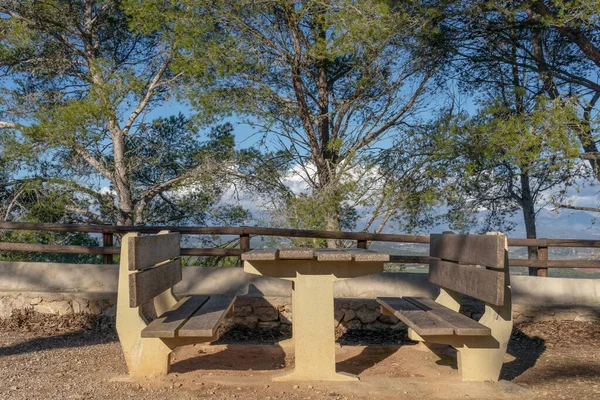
(550, 224)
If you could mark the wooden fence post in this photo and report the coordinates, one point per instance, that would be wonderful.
(107, 241)
(361, 244)
(542, 256)
(244, 242)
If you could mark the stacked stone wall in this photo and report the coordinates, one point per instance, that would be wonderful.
(272, 312)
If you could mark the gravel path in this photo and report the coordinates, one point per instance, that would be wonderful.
(80, 358)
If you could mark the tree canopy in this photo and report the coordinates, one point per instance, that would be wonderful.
(354, 109)
(79, 85)
(327, 83)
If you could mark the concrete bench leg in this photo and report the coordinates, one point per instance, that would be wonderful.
(149, 357)
(145, 357)
(480, 364)
(480, 359)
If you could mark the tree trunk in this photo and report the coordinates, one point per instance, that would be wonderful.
(122, 182)
(528, 205)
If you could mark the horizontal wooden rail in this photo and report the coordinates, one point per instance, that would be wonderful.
(538, 266)
(208, 230)
(55, 248)
(259, 231)
(229, 252)
(52, 248)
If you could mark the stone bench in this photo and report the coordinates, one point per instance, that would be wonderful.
(480, 345)
(149, 268)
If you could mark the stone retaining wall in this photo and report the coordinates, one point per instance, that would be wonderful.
(64, 289)
(271, 312)
(58, 303)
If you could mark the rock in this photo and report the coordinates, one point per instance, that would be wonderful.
(350, 304)
(350, 325)
(35, 300)
(367, 315)
(399, 326)
(285, 317)
(80, 306)
(543, 317)
(587, 318)
(94, 307)
(388, 319)
(377, 326)
(530, 312)
(268, 325)
(111, 311)
(349, 315)
(518, 308)
(250, 321)
(6, 307)
(64, 308)
(54, 307)
(266, 314)
(338, 315)
(18, 302)
(242, 311)
(565, 315)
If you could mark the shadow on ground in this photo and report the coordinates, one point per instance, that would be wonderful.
(67, 340)
(526, 350)
(56, 332)
(253, 358)
(368, 357)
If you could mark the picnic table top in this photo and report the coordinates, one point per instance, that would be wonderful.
(357, 255)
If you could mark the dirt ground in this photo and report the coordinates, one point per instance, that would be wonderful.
(80, 358)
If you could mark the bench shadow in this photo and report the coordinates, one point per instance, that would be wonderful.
(447, 355)
(526, 350)
(235, 357)
(68, 340)
(368, 357)
(380, 344)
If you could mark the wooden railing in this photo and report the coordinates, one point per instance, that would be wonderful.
(537, 266)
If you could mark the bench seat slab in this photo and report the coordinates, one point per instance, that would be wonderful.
(462, 325)
(167, 324)
(415, 317)
(206, 321)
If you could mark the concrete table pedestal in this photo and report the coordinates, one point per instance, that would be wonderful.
(313, 273)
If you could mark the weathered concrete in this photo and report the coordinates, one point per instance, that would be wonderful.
(93, 278)
(92, 289)
(58, 303)
(56, 277)
(555, 291)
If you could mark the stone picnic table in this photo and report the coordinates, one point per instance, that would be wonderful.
(313, 273)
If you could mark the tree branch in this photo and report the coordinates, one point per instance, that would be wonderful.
(83, 153)
(143, 103)
(577, 208)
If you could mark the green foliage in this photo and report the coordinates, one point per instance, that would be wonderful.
(497, 149)
(78, 81)
(56, 238)
(324, 82)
